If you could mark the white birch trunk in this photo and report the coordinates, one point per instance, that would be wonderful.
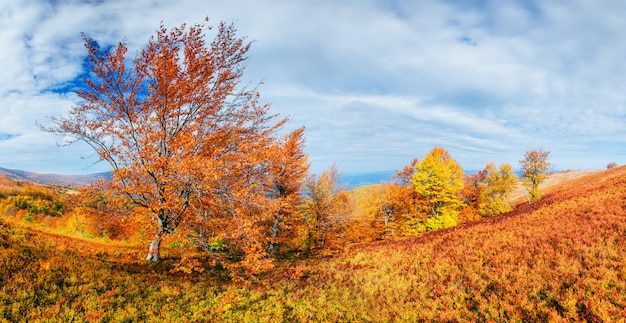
(154, 252)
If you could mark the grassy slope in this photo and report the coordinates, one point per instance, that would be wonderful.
(553, 182)
(6, 182)
(560, 258)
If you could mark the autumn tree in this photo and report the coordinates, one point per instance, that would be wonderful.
(495, 189)
(325, 208)
(288, 169)
(389, 210)
(409, 203)
(535, 167)
(404, 176)
(439, 178)
(376, 212)
(186, 141)
(471, 196)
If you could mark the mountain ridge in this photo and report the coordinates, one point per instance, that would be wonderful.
(50, 178)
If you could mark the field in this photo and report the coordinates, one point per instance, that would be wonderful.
(559, 259)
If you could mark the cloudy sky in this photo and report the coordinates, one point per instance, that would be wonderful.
(376, 83)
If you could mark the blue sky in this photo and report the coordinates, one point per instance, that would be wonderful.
(376, 83)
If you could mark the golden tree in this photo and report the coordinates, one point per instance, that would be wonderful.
(186, 142)
(496, 188)
(439, 178)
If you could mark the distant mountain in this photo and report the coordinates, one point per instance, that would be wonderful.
(349, 180)
(72, 180)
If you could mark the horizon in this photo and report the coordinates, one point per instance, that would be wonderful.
(375, 83)
(348, 179)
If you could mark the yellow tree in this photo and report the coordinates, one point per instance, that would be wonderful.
(495, 189)
(185, 140)
(439, 178)
(535, 167)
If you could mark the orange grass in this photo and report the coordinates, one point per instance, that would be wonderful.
(560, 259)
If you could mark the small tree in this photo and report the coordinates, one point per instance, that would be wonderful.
(325, 208)
(535, 167)
(411, 204)
(611, 165)
(471, 196)
(439, 178)
(384, 207)
(495, 190)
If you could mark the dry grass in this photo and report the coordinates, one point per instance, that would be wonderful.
(553, 181)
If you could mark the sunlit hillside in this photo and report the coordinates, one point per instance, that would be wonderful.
(56, 179)
(6, 182)
(559, 259)
(553, 182)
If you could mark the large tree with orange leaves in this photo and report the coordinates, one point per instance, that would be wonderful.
(186, 141)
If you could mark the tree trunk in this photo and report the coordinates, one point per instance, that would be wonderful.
(154, 252)
(271, 248)
(526, 196)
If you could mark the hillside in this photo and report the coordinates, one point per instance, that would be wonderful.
(560, 259)
(554, 181)
(6, 182)
(71, 180)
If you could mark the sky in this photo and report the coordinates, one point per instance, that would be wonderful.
(375, 82)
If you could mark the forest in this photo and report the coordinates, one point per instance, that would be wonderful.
(212, 214)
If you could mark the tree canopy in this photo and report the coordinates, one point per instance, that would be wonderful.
(186, 142)
(439, 178)
(535, 167)
(496, 188)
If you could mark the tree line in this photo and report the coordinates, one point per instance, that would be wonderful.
(203, 162)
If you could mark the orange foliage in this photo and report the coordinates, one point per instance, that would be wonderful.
(471, 196)
(555, 260)
(98, 211)
(187, 143)
(486, 193)
(389, 210)
(326, 209)
(288, 170)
